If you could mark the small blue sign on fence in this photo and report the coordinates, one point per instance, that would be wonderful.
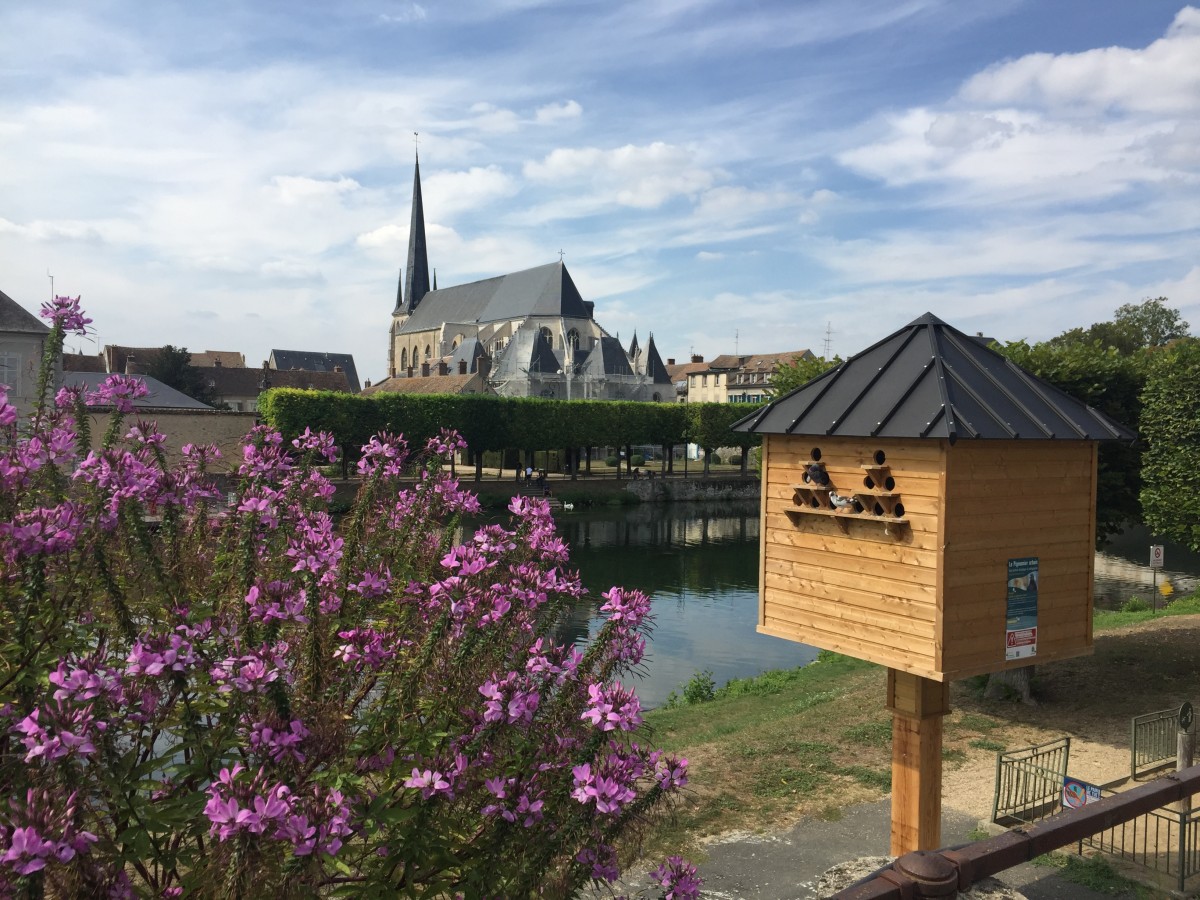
(1077, 794)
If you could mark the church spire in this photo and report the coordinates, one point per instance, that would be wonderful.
(416, 284)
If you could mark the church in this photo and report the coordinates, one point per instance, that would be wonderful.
(524, 334)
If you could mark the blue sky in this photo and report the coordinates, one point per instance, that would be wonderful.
(726, 175)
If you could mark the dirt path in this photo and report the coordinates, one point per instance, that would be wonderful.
(1134, 670)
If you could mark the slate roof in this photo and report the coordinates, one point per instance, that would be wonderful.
(316, 361)
(930, 380)
(229, 381)
(470, 352)
(542, 291)
(607, 358)
(542, 358)
(15, 317)
(160, 397)
(654, 364)
(83, 362)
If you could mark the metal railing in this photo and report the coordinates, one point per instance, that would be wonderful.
(1163, 841)
(927, 874)
(1029, 782)
(1152, 741)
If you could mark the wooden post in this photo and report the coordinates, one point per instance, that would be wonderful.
(917, 705)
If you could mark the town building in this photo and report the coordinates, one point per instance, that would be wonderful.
(734, 379)
(22, 342)
(525, 334)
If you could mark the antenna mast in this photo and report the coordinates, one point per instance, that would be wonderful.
(828, 335)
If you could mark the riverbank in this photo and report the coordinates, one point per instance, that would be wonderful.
(809, 743)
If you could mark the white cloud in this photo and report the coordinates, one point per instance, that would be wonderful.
(554, 112)
(1162, 78)
(709, 256)
(292, 189)
(447, 193)
(404, 14)
(644, 177)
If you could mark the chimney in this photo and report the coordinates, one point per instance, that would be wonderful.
(696, 357)
(410, 371)
(443, 369)
(131, 366)
(424, 370)
(462, 367)
(670, 360)
(368, 384)
(216, 362)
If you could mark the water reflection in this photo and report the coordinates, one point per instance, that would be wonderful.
(699, 565)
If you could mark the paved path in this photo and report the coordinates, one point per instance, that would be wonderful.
(785, 865)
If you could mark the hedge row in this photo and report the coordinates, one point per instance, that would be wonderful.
(502, 423)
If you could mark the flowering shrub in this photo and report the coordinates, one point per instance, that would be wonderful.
(201, 698)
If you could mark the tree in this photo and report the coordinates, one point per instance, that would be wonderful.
(1112, 382)
(173, 367)
(1134, 327)
(1171, 428)
(789, 376)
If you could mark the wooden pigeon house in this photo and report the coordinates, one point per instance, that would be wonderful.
(929, 506)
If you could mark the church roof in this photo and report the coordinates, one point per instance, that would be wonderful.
(316, 361)
(468, 351)
(15, 317)
(430, 384)
(542, 291)
(607, 358)
(416, 284)
(542, 359)
(930, 380)
(654, 364)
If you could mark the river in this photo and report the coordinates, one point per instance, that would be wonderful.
(699, 564)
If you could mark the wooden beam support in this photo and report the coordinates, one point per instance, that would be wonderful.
(917, 705)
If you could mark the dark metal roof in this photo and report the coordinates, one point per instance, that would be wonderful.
(15, 317)
(316, 361)
(930, 380)
(542, 358)
(416, 285)
(543, 291)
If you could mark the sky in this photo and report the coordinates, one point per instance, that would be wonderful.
(733, 177)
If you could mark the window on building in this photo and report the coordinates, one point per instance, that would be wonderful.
(404, 359)
(548, 335)
(704, 380)
(573, 338)
(428, 352)
(10, 371)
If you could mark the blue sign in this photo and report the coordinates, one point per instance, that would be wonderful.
(1020, 628)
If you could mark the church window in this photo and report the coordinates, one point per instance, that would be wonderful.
(404, 358)
(573, 338)
(428, 352)
(548, 335)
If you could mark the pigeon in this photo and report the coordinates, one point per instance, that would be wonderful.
(817, 475)
(840, 502)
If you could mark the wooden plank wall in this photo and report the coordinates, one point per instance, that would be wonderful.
(1011, 499)
(863, 593)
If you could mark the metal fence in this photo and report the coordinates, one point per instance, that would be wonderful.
(1029, 782)
(1153, 741)
(1164, 841)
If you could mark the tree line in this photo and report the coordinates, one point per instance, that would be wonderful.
(489, 423)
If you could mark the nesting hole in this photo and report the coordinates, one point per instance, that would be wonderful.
(889, 483)
(899, 510)
(880, 457)
(816, 454)
(879, 509)
(869, 482)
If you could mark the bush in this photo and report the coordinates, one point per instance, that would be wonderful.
(246, 701)
(735, 460)
(612, 462)
(636, 461)
(716, 459)
(1135, 604)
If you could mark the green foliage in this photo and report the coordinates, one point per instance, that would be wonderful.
(637, 460)
(1171, 429)
(736, 459)
(612, 462)
(1134, 327)
(1135, 604)
(988, 744)
(1183, 606)
(1111, 382)
(788, 377)
(871, 734)
(700, 688)
(1093, 872)
(173, 367)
